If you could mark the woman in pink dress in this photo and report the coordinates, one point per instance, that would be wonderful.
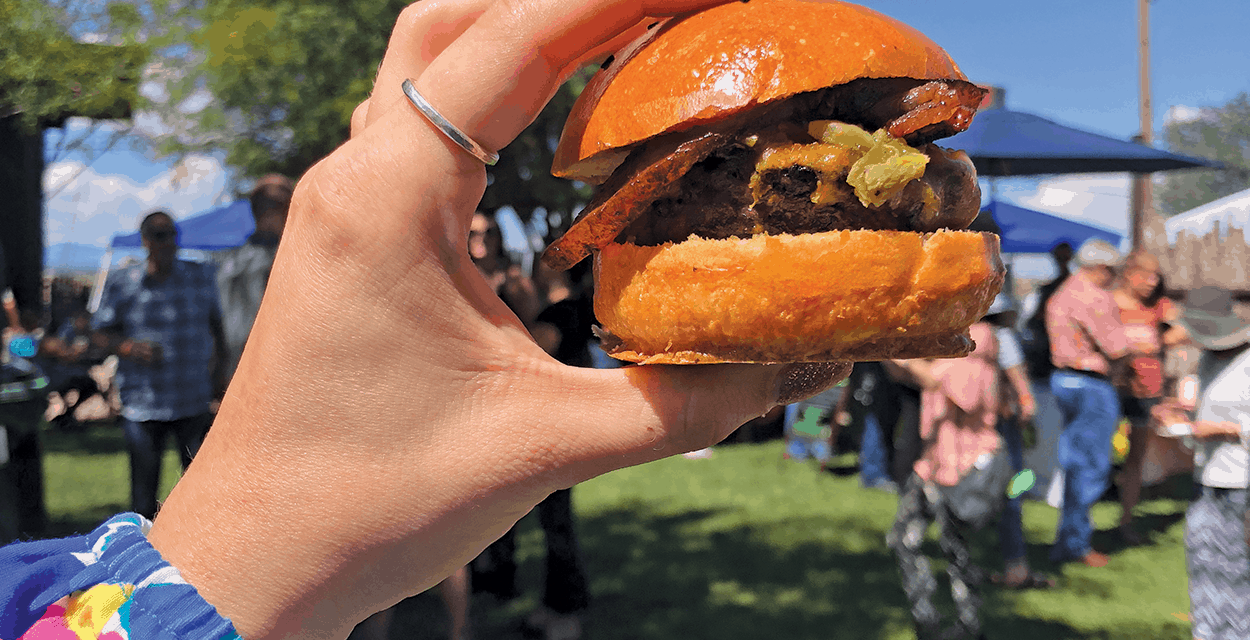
(959, 409)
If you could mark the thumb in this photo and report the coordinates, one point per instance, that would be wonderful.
(630, 416)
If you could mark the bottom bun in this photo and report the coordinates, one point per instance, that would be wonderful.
(837, 295)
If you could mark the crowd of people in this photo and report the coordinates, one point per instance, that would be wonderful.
(1105, 329)
(1095, 345)
(1103, 344)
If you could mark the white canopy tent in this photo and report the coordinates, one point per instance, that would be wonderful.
(1223, 214)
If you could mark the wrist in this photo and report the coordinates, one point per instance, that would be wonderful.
(233, 536)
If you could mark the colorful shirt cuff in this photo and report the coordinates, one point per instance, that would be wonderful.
(110, 584)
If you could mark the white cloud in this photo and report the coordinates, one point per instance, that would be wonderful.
(1183, 113)
(91, 207)
(61, 175)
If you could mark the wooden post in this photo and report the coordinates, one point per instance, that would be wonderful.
(1142, 201)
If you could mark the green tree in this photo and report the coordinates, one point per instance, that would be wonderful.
(1220, 133)
(285, 76)
(48, 73)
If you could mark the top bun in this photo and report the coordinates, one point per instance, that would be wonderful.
(718, 62)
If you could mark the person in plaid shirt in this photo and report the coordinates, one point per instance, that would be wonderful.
(162, 318)
(1086, 335)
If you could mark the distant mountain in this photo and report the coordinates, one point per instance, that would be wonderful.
(72, 256)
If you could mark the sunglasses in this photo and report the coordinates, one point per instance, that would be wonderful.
(164, 235)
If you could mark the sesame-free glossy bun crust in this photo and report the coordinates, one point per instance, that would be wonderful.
(729, 58)
(837, 295)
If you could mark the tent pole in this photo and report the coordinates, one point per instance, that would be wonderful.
(97, 291)
(1142, 201)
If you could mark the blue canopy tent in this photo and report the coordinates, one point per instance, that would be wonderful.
(225, 227)
(221, 228)
(1002, 142)
(1027, 231)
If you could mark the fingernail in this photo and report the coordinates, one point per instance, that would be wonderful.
(806, 379)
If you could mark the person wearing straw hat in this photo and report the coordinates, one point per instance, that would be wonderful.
(1086, 336)
(1215, 524)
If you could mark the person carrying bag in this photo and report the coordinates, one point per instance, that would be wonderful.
(960, 482)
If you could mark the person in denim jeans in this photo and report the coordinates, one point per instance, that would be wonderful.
(1086, 335)
(884, 404)
(1017, 410)
(162, 318)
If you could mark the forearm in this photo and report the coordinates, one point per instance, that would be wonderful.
(1218, 430)
(1020, 382)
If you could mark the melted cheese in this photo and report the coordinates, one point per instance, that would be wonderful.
(830, 162)
(877, 166)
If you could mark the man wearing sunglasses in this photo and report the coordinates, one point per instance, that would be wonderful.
(162, 318)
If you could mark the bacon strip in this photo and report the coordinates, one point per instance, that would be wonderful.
(648, 174)
(948, 106)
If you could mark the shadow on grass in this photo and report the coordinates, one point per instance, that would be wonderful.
(92, 438)
(656, 575)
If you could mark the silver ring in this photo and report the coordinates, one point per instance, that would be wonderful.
(457, 136)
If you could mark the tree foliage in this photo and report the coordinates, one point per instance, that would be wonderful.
(285, 76)
(271, 82)
(1220, 133)
(46, 75)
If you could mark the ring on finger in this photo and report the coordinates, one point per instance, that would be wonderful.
(450, 130)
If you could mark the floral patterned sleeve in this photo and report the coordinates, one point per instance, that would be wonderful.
(110, 584)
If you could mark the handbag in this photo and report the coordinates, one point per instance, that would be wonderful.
(982, 491)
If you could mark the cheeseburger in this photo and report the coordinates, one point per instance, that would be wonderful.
(770, 189)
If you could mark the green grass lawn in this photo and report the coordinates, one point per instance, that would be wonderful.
(747, 545)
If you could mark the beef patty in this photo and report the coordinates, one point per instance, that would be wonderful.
(715, 199)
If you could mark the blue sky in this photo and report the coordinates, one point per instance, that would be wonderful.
(1071, 61)
(1076, 61)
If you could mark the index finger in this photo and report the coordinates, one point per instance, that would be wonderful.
(495, 78)
(490, 82)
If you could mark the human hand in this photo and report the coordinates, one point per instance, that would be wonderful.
(1169, 412)
(360, 457)
(1216, 430)
(1028, 408)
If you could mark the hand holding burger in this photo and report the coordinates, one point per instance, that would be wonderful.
(361, 456)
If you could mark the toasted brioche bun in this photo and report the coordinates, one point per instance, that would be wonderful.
(837, 295)
(732, 57)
